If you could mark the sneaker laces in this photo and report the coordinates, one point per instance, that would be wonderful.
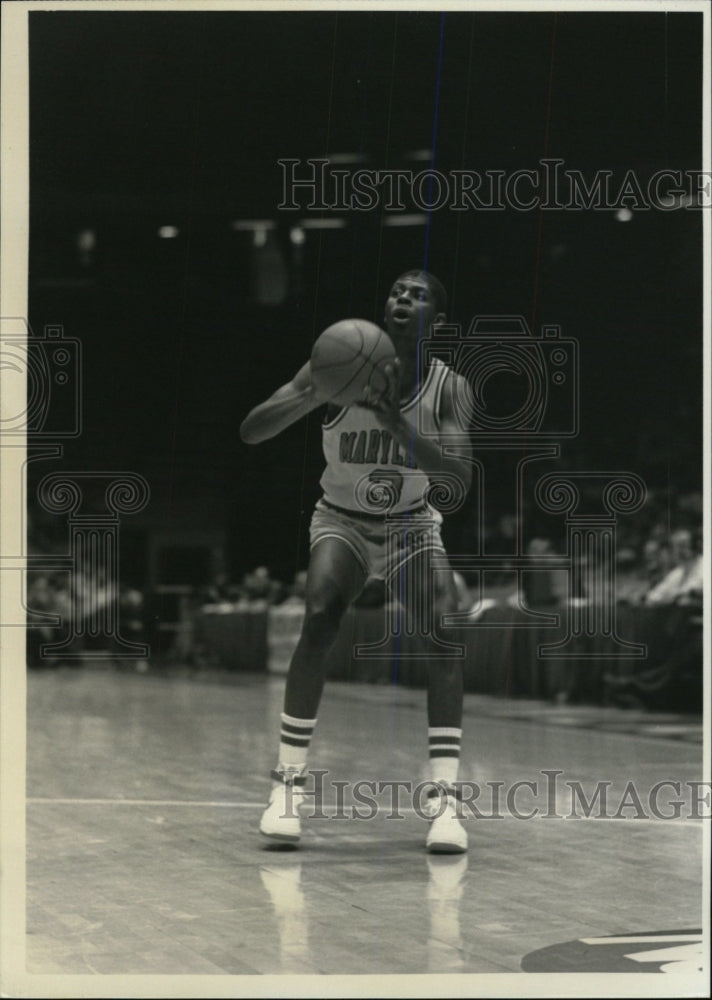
(286, 775)
(446, 794)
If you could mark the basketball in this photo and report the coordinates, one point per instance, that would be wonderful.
(347, 357)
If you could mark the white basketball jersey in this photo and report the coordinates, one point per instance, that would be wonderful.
(367, 470)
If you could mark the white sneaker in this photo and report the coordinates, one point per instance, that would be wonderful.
(280, 820)
(446, 834)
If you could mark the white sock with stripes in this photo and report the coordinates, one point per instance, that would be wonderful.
(444, 748)
(294, 740)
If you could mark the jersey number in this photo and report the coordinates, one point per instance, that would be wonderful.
(385, 488)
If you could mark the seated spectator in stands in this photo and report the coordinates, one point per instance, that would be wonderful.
(216, 591)
(683, 583)
(633, 579)
(676, 682)
(47, 594)
(131, 609)
(92, 589)
(260, 588)
(61, 600)
(538, 585)
(39, 601)
(656, 555)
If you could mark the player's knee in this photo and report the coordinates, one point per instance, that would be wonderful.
(322, 619)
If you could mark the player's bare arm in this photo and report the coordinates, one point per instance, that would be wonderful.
(284, 407)
(428, 454)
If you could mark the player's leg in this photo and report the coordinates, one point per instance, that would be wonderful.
(335, 577)
(432, 591)
(445, 682)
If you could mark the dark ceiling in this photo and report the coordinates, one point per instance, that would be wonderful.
(141, 120)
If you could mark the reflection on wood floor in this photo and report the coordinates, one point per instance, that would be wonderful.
(143, 855)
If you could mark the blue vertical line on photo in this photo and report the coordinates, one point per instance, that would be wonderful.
(547, 126)
(463, 157)
(389, 116)
(429, 212)
(317, 284)
(360, 152)
(396, 656)
(426, 251)
(434, 136)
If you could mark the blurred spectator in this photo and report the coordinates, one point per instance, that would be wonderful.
(91, 591)
(675, 681)
(131, 614)
(40, 600)
(47, 594)
(656, 559)
(217, 590)
(538, 586)
(633, 575)
(683, 583)
(259, 587)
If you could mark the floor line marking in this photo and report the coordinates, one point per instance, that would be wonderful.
(643, 939)
(39, 800)
(325, 809)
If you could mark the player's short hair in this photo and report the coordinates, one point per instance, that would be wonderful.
(436, 287)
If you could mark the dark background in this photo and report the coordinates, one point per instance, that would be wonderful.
(141, 120)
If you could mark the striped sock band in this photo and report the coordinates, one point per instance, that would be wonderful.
(294, 739)
(444, 748)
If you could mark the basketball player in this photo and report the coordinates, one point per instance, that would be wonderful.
(380, 439)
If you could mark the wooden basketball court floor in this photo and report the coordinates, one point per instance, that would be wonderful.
(143, 858)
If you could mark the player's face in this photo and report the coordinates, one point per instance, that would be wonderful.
(410, 311)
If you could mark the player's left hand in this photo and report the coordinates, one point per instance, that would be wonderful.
(386, 403)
